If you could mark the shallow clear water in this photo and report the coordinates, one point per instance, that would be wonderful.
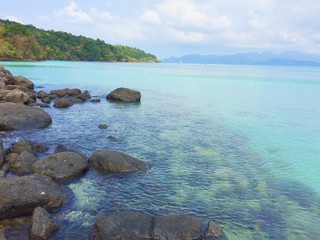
(236, 144)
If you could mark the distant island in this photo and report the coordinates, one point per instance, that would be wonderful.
(253, 58)
(19, 42)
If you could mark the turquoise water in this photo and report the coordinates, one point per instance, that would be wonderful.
(236, 144)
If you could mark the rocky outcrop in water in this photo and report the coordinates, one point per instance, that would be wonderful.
(23, 194)
(15, 116)
(43, 227)
(62, 166)
(29, 146)
(113, 161)
(124, 95)
(134, 225)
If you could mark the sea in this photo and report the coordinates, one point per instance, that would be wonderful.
(238, 145)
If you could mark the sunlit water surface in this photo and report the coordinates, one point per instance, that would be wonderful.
(239, 145)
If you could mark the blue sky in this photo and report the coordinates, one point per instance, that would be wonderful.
(178, 27)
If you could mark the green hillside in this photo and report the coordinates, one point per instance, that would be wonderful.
(28, 43)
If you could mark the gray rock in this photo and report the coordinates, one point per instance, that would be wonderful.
(76, 100)
(124, 95)
(74, 92)
(21, 164)
(62, 166)
(46, 100)
(22, 81)
(23, 194)
(29, 146)
(133, 225)
(43, 226)
(18, 116)
(63, 103)
(112, 161)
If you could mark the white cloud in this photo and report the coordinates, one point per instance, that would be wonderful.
(151, 17)
(74, 14)
(103, 15)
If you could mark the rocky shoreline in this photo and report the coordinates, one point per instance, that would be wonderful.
(33, 182)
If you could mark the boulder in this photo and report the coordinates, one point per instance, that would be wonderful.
(23, 194)
(46, 100)
(62, 148)
(42, 94)
(103, 126)
(16, 96)
(21, 164)
(74, 92)
(60, 92)
(134, 225)
(22, 81)
(62, 166)
(18, 116)
(84, 96)
(4, 72)
(1, 153)
(43, 226)
(124, 95)
(21, 88)
(63, 103)
(113, 161)
(29, 146)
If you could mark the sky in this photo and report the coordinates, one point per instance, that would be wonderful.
(178, 27)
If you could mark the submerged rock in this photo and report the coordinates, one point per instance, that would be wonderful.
(23, 194)
(134, 225)
(103, 126)
(43, 227)
(62, 166)
(15, 116)
(124, 95)
(112, 161)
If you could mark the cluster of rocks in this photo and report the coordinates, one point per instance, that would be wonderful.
(38, 185)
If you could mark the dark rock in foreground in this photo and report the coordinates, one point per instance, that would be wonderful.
(112, 161)
(23, 194)
(21, 164)
(62, 166)
(134, 225)
(29, 146)
(43, 227)
(124, 95)
(18, 116)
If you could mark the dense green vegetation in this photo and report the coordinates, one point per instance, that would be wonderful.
(26, 42)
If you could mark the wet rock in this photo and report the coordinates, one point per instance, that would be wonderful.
(46, 100)
(38, 104)
(23, 194)
(74, 92)
(133, 225)
(1, 153)
(84, 96)
(42, 94)
(43, 226)
(63, 103)
(112, 161)
(62, 166)
(29, 146)
(60, 92)
(21, 164)
(53, 96)
(124, 95)
(18, 116)
(16, 96)
(76, 100)
(124, 226)
(103, 126)
(22, 81)
(213, 232)
(95, 100)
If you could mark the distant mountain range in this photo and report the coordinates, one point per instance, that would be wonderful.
(252, 58)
